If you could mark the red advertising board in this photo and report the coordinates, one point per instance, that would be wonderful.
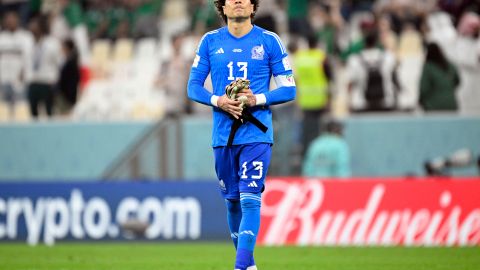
(427, 211)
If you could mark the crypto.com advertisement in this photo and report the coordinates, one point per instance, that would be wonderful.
(427, 212)
(51, 212)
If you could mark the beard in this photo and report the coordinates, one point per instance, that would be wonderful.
(239, 19)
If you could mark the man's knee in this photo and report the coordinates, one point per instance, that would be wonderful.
(233, 205)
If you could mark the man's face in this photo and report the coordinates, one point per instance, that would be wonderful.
(11, 21)
(34, 27)
(238, 9)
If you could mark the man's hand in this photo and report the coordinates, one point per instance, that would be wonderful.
(250, 100)
(230, 106)
(235, 87)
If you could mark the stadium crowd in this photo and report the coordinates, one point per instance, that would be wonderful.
(134, 55)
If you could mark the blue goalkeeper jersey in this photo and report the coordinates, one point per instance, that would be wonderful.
(256, 56)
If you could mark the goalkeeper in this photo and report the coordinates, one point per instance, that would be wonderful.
(241, 58)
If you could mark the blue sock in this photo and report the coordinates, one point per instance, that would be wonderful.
(248, 230)
(234, 216)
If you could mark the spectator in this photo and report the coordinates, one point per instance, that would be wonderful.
(175, 18)
(467, 59)
(328, 155)
(366, 26)
(14, 47)
(265, 16)
(438, 82)
(387, 37)
(312, 77)
(72, 12)
(145, 18)
(122, 31)
(104, 19)
(69, 77)
(327, 23)
(44, 69)
(203, 16)
(349, 8)
(20, 7)
(372, 78)
(410, 57)
(297, 13)
(456, 9)
(97, 20)
(173, 79)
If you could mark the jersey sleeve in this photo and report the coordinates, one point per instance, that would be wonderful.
(198, 73)
(281, 71)
(278, 56)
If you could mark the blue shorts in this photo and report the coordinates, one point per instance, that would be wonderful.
(242, 168)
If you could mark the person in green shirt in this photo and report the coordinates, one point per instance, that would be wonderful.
(438, 82)
(73, 13)
(328, 155)
(144, 17)
(333, 24)
(297, 13)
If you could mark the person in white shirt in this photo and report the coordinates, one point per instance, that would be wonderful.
(467, 59)
(44, 67)
(20, 7)
(14, 47)
(358, 75)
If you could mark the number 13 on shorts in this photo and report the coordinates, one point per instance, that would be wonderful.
(254, 162)
(257, 166)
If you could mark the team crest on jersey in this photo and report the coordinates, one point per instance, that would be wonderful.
(258, 52)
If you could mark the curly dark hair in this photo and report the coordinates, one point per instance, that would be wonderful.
(220, 3)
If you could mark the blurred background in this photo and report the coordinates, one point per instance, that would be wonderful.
(94, 91)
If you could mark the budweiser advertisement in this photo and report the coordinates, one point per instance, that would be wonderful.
(426, 212)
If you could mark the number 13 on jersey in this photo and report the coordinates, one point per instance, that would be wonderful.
(234, 68)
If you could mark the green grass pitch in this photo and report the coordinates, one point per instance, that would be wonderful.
(219, 256)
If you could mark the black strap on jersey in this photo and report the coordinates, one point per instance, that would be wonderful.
(247, 116)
